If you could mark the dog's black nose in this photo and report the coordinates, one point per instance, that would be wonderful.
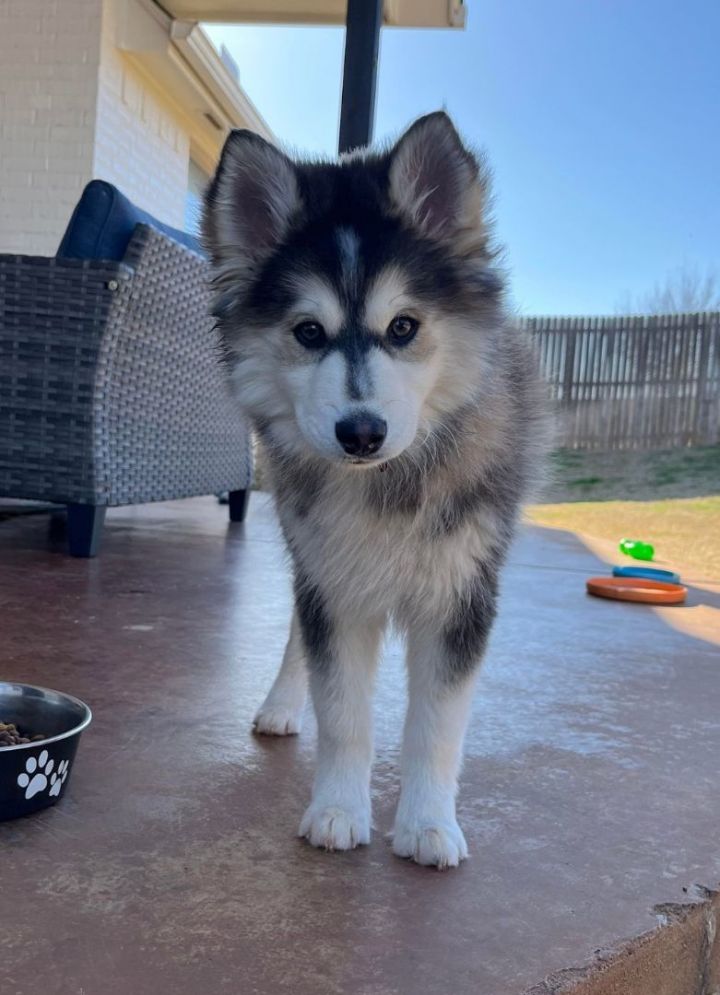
(361, 435)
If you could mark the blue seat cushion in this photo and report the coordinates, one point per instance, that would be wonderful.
(103, 222)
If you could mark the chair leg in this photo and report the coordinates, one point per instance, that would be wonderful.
(84, 528)
(238, 501)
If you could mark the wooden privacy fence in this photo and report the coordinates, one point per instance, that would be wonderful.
(646, 382)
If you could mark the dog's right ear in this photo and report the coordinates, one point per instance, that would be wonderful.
(249, 204)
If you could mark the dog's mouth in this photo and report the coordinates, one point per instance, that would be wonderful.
(376, 462)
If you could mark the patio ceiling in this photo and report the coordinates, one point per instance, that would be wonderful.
(397, 13)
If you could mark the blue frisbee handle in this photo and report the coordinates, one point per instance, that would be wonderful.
(647, 573)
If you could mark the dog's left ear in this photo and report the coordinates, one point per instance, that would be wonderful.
(437, 185)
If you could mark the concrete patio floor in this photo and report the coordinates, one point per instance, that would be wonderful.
(589, 797)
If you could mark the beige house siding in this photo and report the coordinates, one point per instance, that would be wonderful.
(109, 89)
(49, 58)
(139, 144)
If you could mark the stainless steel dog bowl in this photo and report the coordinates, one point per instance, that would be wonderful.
(35, 775)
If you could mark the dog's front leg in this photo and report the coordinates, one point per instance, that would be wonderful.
(282, 711)
(342, 666)
(442, 667)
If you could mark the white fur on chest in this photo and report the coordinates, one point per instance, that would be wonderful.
(374, 565)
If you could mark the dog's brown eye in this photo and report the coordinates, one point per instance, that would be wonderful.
(311, 334)
(402, 329)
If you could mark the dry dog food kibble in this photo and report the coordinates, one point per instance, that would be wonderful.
(10, 735)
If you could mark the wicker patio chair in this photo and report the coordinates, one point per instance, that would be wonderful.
(111, 387)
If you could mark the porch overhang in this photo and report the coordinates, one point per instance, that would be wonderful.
(396, 13)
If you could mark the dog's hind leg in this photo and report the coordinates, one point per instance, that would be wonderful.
(341, 681)
(282, 711)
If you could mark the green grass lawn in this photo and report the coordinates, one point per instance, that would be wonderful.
(669, 498)
(637, 476)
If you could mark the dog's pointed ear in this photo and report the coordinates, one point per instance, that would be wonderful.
(436, 184)
(251, 201)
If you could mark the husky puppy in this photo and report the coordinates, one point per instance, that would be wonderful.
(364, 323)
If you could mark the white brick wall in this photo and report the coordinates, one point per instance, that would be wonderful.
(49, 56)
(138, 144)
(72, 108)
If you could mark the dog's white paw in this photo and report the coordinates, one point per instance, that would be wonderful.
(440, 844)
(334, 828)
(278, 720)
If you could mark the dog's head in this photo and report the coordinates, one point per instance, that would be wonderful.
(354, 298)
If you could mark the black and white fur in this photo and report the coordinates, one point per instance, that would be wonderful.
(319, 271)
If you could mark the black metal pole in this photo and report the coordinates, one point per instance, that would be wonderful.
(362, 40)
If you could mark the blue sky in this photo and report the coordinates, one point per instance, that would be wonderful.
(601, 119)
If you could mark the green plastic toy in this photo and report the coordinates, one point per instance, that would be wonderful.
(638, 550)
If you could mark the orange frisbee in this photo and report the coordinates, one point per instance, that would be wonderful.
(649, 592)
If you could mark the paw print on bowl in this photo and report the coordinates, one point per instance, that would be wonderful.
(39, 773)
(58, 777)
